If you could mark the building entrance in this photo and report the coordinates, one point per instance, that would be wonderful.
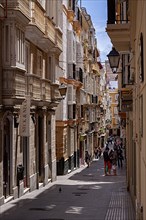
(6, 158)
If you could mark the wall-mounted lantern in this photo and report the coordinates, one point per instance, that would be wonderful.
(114, 58)
(62, 90)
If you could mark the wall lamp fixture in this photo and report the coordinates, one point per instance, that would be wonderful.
(114, 58)
(62, 89)
(62, 93)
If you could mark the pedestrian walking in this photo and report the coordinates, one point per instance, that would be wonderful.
(113, 158)
(107, 163)
(99, 152)
(120, 157)
(96, 153)
(87, 158)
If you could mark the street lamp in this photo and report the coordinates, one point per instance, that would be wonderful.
(114, 58)
(62, 90)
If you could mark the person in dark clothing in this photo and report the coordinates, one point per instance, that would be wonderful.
(120, 157)
(107, 163)
(113, 159)
(96, 153)
(87, 158)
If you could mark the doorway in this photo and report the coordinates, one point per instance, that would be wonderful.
(40, 149)
(25, 160)
(6, 158)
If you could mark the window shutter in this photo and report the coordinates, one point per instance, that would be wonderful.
(90, 116)
(70, 111)
(74, 95)
(79, 55)
(70, 47)
(74, 50)
(70, 71)
(70, 94)
(39, 63)
(82, 97)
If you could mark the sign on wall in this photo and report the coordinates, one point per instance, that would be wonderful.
(25, 118)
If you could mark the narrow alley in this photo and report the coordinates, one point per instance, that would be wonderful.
(84, 194)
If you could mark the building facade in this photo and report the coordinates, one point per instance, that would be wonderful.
(31, 42)
(82, 77)
(46, 46)
(126, 28)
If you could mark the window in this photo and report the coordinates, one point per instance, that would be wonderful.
(82, 111)
(116, 97)
(27, 57)
(71, 5)
(80, 75)
(70, 111)
(141, 116)
(42, 3)
(74, 111)
(7, 44)
(74, 71)
(141, 59)
(125, 69)
(44, 69)
(20, 47)
(50, 9)
(39, 63)
(49, 67)
(115, 110)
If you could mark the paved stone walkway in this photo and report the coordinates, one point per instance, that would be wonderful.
(86, 195)
(120, 207)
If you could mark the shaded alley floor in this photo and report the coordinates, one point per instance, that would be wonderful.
(86, 194)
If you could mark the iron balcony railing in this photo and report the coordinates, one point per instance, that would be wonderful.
(117, 12)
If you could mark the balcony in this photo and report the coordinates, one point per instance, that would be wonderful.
(55, 94)
(39, 90)
(58, 40)
(41, 30)
(69, 13)
(13, 86)
(118, 25)
(125, 100)
(120, 35)
(34, 87)
(77, 26)
(46, 90)
(18, 6)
